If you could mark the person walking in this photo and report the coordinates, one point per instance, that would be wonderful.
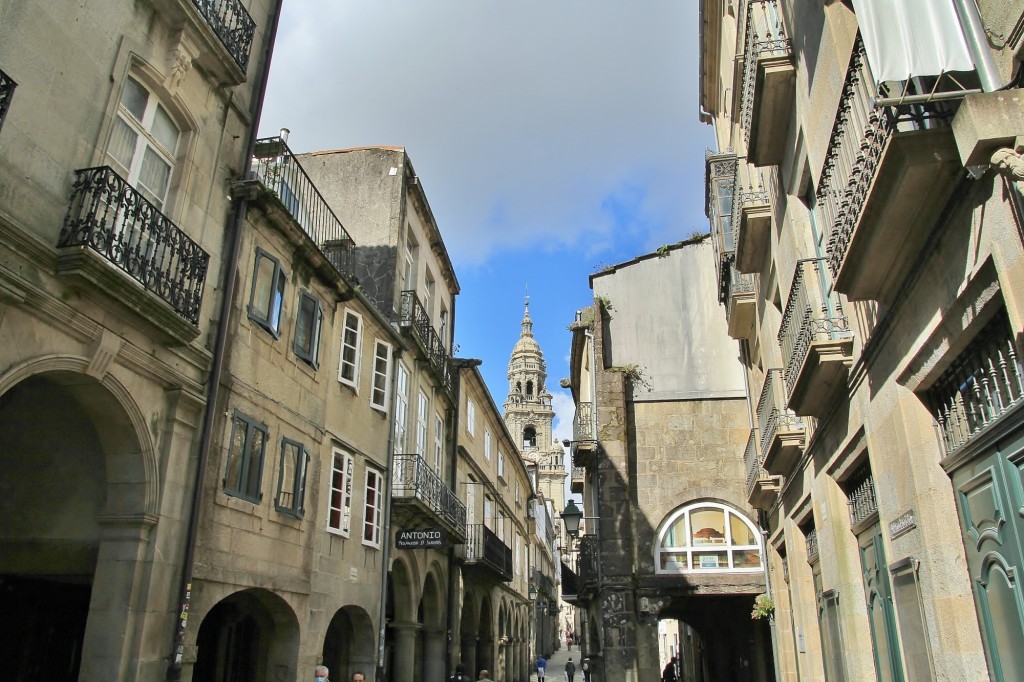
(460, 674)
(570, 670)
(585, 669)
(320, 674)
(542, 668)
(484, 676)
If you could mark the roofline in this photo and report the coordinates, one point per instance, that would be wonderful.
(659, 253)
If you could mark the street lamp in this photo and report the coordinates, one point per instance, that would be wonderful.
(571, 517)
(533, 592)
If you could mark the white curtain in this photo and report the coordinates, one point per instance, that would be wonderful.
(905, 38)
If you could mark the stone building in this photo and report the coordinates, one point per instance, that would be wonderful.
(865, 206)
(662, 417)
(122, 125)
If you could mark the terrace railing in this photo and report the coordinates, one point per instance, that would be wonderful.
(233, 25)
(753, 461)
(583, 422)
(764, 36)
(483, 546)
(413, 316)
(413, 478)
(109, 216)
(773, 416)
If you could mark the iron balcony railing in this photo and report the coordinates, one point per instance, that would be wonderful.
(109, 216)
(860, 134)
(277, 169)
(812, 545)
(415, 317)
(764, 36)
(579, 473)
(754, 462)
(483, 546)
(813, 313)
(732, 282)
(860, 490)
(583, 422)
(984, 381)
(588, 559)
(545, 585)
(233, 25)
(773, 415)
(7, 86)
(413, 479)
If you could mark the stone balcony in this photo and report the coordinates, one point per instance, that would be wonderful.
(217, 34)
(783, 434)
(768, 85)
(762, 487)
(753, 220)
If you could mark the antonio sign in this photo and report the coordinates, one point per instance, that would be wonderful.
(420, 538)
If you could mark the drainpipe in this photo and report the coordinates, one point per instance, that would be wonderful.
(385, 558)
(977, 43)
(236, 223)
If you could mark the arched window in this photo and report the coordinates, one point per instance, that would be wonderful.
(529, 389)
(529, 437)
(708, 537)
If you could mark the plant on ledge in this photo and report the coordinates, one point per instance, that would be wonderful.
(764, 607)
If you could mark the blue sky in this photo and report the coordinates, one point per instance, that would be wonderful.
(552, 137)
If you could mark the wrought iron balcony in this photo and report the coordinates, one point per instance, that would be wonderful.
(887, 174)
(7, 86)
(484, 548)
(545, 585)
(782, 432)
(768, 85)
(738, 295)
(108, 216)
(233, 25)
(414, 317)
(981, 385)
(587, 561)
(280, 172)
(584, 434)
(815, 339)
(414, 484)
(753, 219)
(762, 487)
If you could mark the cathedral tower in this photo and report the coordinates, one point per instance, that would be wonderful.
(529, 415)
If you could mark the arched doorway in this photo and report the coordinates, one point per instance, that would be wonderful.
(72, 460)
(349, 644)
(431, 636)
(485, 639)
(468, 628)
(401, 635)
(250, 635)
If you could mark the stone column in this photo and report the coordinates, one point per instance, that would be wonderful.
(433, 654)
(468, 658)
(404, 660)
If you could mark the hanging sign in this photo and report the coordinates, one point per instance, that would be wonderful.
(420, 538)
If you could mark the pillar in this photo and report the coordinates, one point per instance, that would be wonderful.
(434, 654)
(404, 665)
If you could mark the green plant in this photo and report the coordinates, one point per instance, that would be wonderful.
(635, 374)
(764, 607)
(663, 250)
(606, 303)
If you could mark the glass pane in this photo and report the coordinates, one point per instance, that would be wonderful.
(676, 535)
(275, 305)
(154, 175)
(122, 144)
(261, 287)
(255, 464)
(741, 533)
(746, 558)
(710, 560)
(134, 98)
(304, 325)
(674, 561)
(708, 527)
(164, 130)
(236, 455)
(289, 465)
(913, 633)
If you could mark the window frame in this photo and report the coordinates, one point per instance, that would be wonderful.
(422, 411)
(501, 464)
(278, 285)
(343, 490)
(311, 357)
(438, 443)
(470, 417)
(689, 550)
(372, 508)
(383, 387)
(487, 444)
(401, 417)
(251, 426)
(356, 348)
(299, 481)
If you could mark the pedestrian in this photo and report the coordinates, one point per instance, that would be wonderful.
(358, 677)
(542, 668)
(460, 674)
(585, 669)
(570, 670)
(484, 676)
(320, 674)
(568, 640)
(669, 673)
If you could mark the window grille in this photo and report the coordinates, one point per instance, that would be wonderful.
(860, 489)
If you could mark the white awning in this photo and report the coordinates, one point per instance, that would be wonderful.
(906, 38)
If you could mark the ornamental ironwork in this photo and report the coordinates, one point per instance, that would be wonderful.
(811, 537)
(860, 135)
(813, 313)
(412, 478)
(583, 422)
(860, 491)
(588, 559)
(413, 316)
(483, 546)
(979, 387)
(754, 462)
(772, 414)
(233, 26)
(7, 86)
(764, 37)
(108, 215)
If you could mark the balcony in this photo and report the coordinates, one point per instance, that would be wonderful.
(754, 220)
(544, 584)
(413, 317)
(815, 339)
(578, 480)
(419, 495)
(769, 83)
(108, 217)
(887, 175)
(762, 487)
(584, 435)
(7, 86)
(783, 435)
(283, 178)
(218, 35)
(739, 299)
(587, 562)
(484, 549)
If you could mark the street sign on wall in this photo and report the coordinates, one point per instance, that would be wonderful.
(420, 538)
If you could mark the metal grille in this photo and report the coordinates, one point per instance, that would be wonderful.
(983, 382)
(772, 414)
(860, 491)
(764, 36)
(414, 316)
(7, 86)
(583, 422)
(413, 478)
(811, 536)
(754, 462)
(233, 26)
(110, 217)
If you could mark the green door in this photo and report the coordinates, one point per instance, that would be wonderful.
(881, 616)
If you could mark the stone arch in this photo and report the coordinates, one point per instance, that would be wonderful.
(485, 636)
(349, 643)
(402, 590)
(469, 627)
(252, 634)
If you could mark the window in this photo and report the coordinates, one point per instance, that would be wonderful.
(442, 329)
(529, 437)
(422, 408)
(381, 372)
(501, 465)
(409, 272)
(487, 445)
(518, 551)
(339, 515)
(291, 479)
(348, 371)
(401, 408)
(143, 142)
(267, 292)
(438, 443)
(519, 493)
(307, 329)
(488, 512)
(245, 458)
(372, 507)
(470, 417)
(708, 538)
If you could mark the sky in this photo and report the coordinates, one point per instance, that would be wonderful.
(552, 138)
